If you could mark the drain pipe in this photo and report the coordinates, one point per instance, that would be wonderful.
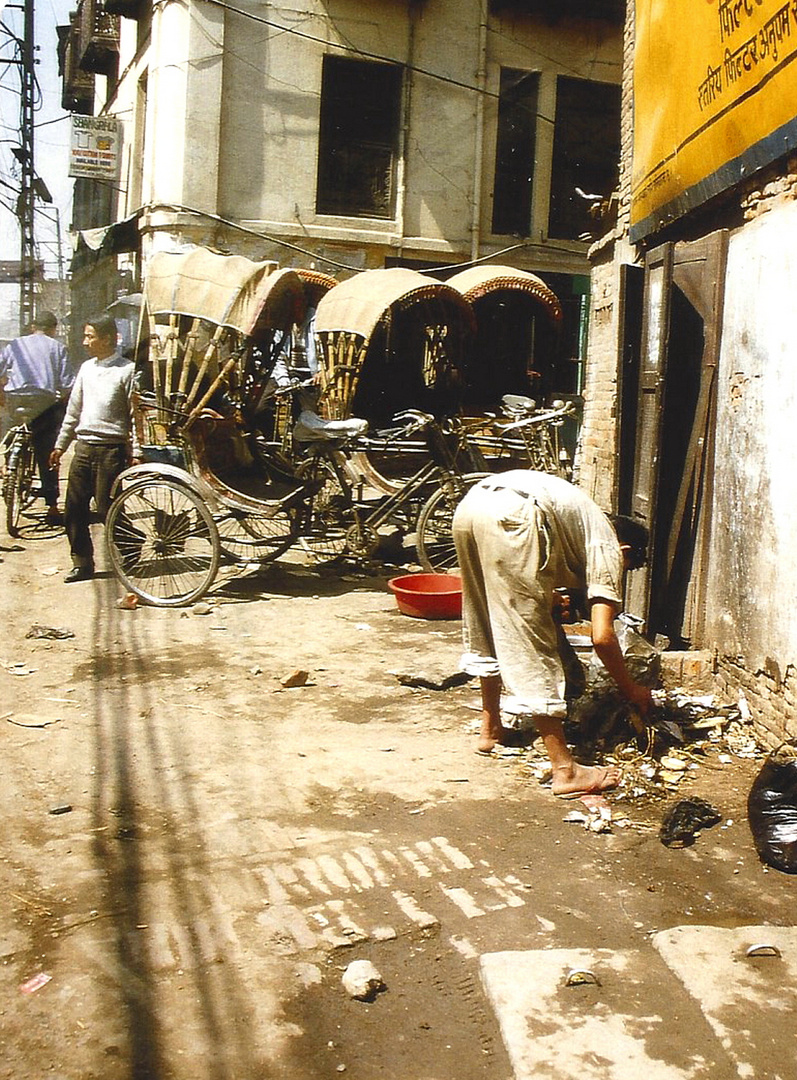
(401, 194)
(478, 144)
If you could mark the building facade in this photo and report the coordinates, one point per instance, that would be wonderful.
(690, 385)
(428, 133)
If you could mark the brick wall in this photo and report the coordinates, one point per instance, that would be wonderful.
(596, 464)
(771, 697)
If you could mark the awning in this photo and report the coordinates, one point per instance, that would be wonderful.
(91, 245)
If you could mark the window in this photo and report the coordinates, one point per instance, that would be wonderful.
(358, 138)
(586, 153)
(514, 157)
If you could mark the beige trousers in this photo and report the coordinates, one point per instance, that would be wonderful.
(503, 546)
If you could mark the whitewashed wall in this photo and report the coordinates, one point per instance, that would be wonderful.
(753, 567)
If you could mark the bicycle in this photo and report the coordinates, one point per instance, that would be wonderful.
(19, 461)
(340, 519)
(528, 437)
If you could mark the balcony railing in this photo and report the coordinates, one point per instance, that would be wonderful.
(99, 37)
(128, 9)
(77, 90)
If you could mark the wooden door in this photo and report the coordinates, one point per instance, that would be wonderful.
(652, 370)
(674, 450)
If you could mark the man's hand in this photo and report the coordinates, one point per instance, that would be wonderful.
(640, 697)
(55, 458)
(561, 609)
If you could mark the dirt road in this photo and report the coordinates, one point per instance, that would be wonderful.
(193, 854)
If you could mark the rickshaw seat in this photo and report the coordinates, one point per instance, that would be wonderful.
(226, 462)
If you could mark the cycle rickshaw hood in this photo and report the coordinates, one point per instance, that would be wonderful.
(391, 339)
(227, 290)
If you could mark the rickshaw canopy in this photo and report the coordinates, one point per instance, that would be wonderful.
(358, 304)
(479, 281)
(228, 290)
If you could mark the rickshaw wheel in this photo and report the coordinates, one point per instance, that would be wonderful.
(435, 529)
(324, 532)
(162, 542)
(256, 537)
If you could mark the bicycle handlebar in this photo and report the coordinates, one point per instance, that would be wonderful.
(547, 417)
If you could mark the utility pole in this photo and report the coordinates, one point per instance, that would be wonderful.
(61, 275)
(25, 204)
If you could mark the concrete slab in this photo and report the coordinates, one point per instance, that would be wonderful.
(749, 1001)
(636, 1023)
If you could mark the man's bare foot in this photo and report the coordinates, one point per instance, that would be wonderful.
(570, 781)
(489, 739)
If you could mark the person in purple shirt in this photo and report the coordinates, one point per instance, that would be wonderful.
(35, 380)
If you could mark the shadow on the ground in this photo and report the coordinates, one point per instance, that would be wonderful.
(284, 578)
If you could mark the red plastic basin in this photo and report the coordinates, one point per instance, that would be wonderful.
(428, 596)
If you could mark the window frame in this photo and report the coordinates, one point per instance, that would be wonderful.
(358, 147)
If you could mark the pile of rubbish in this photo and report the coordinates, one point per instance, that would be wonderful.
(659, 754)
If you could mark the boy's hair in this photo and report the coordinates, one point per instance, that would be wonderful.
(45, 320)
(636, 535)
(104, 326)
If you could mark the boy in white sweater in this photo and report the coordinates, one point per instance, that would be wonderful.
(99, 417)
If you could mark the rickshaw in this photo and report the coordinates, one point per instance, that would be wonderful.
(214, 484)
(390, 340)
(215, 324)
(298, 361)
(513, 310)
(507, 372)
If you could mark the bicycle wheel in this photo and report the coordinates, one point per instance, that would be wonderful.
(257, 537)
(434, 534)
(162, 542)
(330, 515)
(18, 482)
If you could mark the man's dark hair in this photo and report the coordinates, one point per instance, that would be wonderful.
(105, 327)
(636, 535)
(45, 320)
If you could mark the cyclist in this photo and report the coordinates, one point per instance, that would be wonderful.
(35, 380)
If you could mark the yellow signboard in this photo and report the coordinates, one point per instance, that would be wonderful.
(715, 98)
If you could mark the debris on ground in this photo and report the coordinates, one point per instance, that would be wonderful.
(51, 633)
(597, 819)
(772, 809)
(362, 981)
(433, 682)
(36, 983)
(683, 734)
(17, 667)
(685, 819)
(296, 678)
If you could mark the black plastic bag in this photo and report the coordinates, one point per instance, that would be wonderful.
(685, 819)
(772, 810)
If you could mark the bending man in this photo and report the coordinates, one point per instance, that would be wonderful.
(519, 536)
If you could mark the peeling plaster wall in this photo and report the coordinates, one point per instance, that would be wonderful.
(753, 564)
